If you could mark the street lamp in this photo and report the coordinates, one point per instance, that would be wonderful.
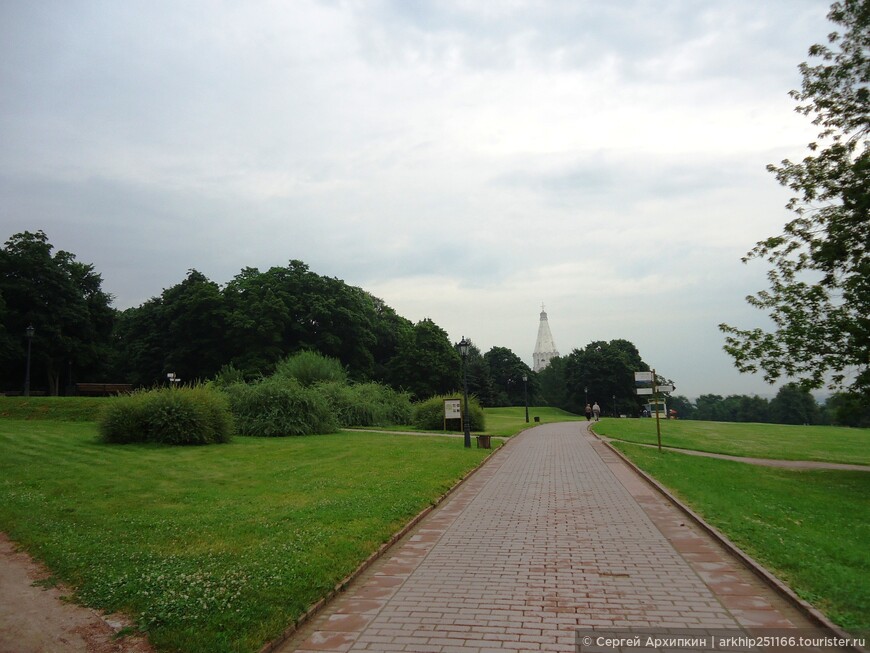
(28, 333)
(586, 394)
(614, 406)
(463, 351)
(526, 395)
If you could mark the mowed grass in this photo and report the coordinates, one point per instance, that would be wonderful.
(215, 548)
(511, 420)
(67, 409)
(777, 441)
(810, 528)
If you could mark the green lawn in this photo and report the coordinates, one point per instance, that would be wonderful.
(777, 441)
(810, 528)
(511, 420)
(214, 548)
(67, 409)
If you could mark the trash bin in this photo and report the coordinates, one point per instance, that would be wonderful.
(537, 419)
(484, 442)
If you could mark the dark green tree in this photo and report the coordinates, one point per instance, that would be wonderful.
(600, 372)
(63, 299)
(195, 328)
(138, 344)
(848, 409)
(552, 388)
(794, 404)
(258, 318)
(506, 370)
(708, 408)
(287, 309)
(183, 331)
(684, 407)
(480, 382)
(819, 296)
(426, 362)
(389, 329)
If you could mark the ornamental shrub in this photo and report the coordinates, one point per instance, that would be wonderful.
(366, 404)
(280, 406)
(185, 415)
(310, 368)
(429, 414)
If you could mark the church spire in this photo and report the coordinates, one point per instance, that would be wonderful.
(545, 348)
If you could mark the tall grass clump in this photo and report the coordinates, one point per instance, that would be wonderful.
(280, 406)
(310, 368)
(185, 415)
(429, 414)
(366, 404)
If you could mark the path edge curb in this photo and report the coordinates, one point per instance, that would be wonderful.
(808, 610)
(315, 609)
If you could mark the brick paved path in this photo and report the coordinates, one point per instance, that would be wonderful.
(555, 533)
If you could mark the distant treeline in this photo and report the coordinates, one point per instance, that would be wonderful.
(198, 328)
(791, 405)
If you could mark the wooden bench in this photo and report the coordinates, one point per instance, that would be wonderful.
(103, 389)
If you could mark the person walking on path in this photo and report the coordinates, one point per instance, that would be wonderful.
(588, 412)
(596, 410)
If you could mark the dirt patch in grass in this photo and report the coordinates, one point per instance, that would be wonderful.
(34, 615)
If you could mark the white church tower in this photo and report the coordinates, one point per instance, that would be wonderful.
(545, 348)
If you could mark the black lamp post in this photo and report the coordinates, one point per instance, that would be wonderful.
(614, 406)
(463, 351)
(586, 394)
(526, 394)
(28, 333)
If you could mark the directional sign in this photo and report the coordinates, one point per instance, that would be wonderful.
(644, 391)
(665, 388)
(643, 377)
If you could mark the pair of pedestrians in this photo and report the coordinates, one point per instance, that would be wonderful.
(593, 411)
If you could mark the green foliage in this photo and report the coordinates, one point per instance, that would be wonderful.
(310, 368)
(280, 406)
(506, 371)
(185, 415)
(479, 380)
(849, 409)
(600, 371)
(195, 328)
(429, 414)
(819, 296)
(551, 383)
(794, 405)
(426, 363)
(733, 408)
(227, 376)
(367, 404)
(63, 300)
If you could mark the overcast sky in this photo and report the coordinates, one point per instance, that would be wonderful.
(463, 160)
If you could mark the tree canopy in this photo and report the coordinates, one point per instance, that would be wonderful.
(63, 300)
(601, 372)
(196, 327)
(819, 295)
